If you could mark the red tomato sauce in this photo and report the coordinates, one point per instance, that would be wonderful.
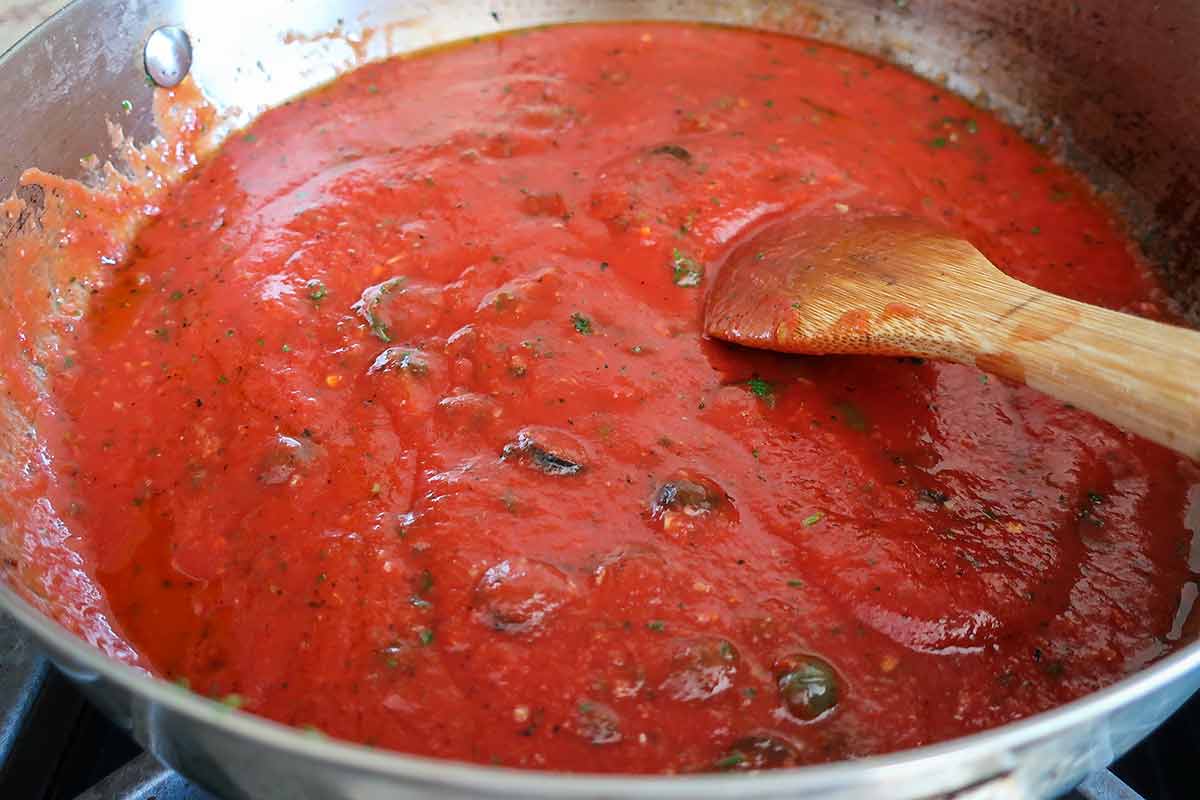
(398, 422)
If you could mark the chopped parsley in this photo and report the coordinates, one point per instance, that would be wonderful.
(424, 581)
(851, 415)
(686, 271)
(810, 520)
(734, 759)
(233, 701)
(656, 625)
(317, 291)
(760, 388)
(939, 142)
(582, 324)
(425, 636)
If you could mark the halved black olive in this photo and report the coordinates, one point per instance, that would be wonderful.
(674, 151)
(688, 496)
(550, 450)
(689, 503)
(402, 359)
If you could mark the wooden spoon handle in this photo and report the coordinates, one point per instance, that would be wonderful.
(1140, 375)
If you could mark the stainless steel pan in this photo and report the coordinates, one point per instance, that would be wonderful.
(1112, 84)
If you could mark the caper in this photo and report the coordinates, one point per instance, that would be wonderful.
(809, 686)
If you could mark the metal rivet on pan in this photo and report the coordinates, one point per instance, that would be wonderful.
(168, 55)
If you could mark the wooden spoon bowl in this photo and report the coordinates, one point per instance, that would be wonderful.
(897, 286)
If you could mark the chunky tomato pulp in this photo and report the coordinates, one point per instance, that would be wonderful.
(399, 424)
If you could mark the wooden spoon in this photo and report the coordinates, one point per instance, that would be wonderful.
(899, 287)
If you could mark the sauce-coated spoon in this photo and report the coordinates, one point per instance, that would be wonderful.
(899, 287)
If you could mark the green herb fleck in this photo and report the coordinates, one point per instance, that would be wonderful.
(686, 271)
(316, 291)
(425, 636)
(795, 583)
(761, 389)
(582, 324)
(222, 379)
(812, 519)
(656, 625)
(730, 761)
(971, 126)
(851, 416)
(233, 701)
(938, 143)
(287, 348)
(176, 295)
(249, 138)
(424, 581)
(126, 106)
(1035, 230)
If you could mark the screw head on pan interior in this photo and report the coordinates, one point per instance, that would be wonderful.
(168, 55)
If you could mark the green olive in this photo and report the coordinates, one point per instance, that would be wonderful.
(809, 686)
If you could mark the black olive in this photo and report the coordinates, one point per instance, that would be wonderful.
(808, 685)
(702, 668)
(674, 151)
(684, 495)
(692, 504)
(552, 451)
(402, 359)
(934, 496)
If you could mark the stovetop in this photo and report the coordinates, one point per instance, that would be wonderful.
(55, 746)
